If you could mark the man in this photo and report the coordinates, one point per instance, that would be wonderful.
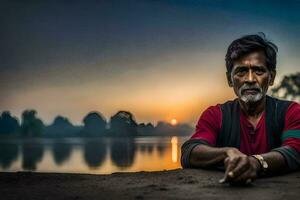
(254, 134)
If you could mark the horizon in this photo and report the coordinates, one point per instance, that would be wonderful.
(172, 122)
(148, 57)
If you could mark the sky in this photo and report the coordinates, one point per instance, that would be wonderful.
(160, 60)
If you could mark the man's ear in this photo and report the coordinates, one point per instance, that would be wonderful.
(229, 80)
(273, 75)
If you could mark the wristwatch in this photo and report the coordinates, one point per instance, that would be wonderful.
(264, 165)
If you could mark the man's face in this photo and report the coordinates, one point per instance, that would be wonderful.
(250, 77)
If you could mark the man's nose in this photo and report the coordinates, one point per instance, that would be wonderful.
(250, 77)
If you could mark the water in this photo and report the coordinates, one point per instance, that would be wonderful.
(91, 155)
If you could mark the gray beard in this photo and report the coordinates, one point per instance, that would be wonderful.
(250, 98)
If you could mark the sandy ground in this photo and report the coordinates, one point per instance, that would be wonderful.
(174, 184)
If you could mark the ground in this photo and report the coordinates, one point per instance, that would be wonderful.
(174, 184)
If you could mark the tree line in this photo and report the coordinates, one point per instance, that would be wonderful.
(122, 123)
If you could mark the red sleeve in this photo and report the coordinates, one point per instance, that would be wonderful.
(291, 131)
(209, 125)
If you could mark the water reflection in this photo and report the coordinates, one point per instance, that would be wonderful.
(161, 149)
(94, 152)
(32, 154)
(97, 155)
(8, 154)
(146, 148)
(61, 151)
(123, 152)
(174, 142)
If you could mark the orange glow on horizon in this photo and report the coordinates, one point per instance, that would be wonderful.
(174, 122)
(185, 102)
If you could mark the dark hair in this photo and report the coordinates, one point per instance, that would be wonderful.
(248, 44)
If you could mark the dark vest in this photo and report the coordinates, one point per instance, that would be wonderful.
(230, 131)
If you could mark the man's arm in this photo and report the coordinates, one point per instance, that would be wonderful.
(289, 151)
(276, 163)
(206, 132)
(239, 167)
(204, 156)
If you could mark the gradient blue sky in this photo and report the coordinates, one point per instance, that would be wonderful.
(158, 59)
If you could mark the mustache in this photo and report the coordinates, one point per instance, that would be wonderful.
(250, 87)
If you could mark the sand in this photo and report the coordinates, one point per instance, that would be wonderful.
(174, 184)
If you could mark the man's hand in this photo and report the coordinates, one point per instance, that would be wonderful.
(240, 168)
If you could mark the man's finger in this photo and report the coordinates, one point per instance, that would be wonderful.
(247, 177)
(231, 163)
(242, 177)
(240, 168)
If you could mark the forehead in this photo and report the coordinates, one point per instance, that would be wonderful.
(257, 58)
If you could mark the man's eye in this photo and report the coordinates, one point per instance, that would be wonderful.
(241, 72)
(260, 71)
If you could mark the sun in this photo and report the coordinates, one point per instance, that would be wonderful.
(174, 122)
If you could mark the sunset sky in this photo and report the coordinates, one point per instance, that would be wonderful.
(160, 60)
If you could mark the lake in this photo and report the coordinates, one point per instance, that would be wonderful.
(91, 155)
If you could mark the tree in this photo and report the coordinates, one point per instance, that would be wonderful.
(60, 127)
(146, 129)
(94, 124)
(31, 125)
(289, 87)
(62, 122)
(8, 124)
(123, 124)
(164, 128)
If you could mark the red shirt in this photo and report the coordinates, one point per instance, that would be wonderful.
(253, 140)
